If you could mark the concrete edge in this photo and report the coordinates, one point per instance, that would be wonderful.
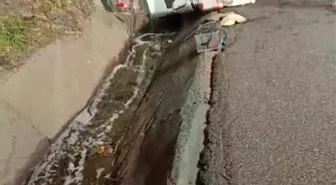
(190, 139)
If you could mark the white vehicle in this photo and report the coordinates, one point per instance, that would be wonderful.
(161, 8)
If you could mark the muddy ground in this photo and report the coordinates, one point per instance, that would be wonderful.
(140, 127)
(94, 137)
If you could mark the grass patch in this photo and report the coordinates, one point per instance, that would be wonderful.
(27, 25)
(13, 38)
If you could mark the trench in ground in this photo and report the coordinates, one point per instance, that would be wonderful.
(152, 139)
(141, 145)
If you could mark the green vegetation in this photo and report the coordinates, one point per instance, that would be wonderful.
(13, 38)
(26, 27)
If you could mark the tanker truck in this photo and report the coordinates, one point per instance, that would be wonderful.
(160, 8)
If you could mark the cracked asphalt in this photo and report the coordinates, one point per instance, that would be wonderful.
(273, 118)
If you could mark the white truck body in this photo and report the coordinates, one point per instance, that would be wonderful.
(160, 8)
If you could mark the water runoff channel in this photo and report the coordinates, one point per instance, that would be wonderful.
(145, 124)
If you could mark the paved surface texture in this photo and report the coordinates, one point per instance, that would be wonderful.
(18, 137)
(273, 121)
(38, 100)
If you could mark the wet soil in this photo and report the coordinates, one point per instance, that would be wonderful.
(152, 140)
(88, 152)
(149, 157)
(129, 142)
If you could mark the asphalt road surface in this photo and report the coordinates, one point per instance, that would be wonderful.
(273, 118)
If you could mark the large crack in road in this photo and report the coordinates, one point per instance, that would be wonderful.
(145, 124)
(206, 153)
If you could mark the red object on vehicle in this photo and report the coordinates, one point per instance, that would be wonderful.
(201, 7)
(205, 7)
(121, 5)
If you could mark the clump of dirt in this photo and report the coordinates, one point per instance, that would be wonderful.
(26, 25)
